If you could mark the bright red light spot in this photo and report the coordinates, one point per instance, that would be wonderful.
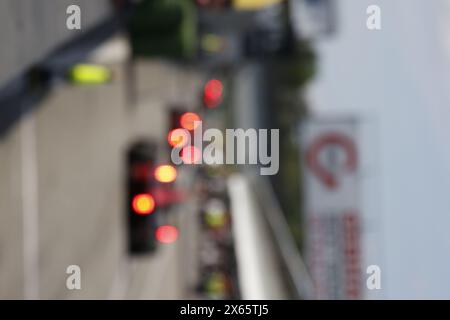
(166, 234)
(178, 137)
(213, 93)
(191, 155)
(188, 119)
(143, 204)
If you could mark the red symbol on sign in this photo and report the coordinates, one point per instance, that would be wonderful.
(325, 175)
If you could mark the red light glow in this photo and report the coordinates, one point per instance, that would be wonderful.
(213, 91)
(166, 234)
(188, 119)
(178, 137)
(143, 204)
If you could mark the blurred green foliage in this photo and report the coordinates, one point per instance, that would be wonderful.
(164, 28)
(289, 75)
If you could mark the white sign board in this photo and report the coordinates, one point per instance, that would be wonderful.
(332, 218)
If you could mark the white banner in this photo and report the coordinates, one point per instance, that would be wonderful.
(332, 218)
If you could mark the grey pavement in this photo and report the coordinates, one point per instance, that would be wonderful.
(62, 192)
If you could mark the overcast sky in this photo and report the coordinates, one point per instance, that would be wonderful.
(398, 80)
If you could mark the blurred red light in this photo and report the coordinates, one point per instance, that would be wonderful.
(143, 204)
(190, 155)
(212, 95)
(166, 234)
(178, 137)
(187, 120)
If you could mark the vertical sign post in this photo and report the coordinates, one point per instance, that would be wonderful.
(332, 218)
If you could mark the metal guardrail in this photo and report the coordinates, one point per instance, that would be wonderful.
(296, 270)
(260, 274)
